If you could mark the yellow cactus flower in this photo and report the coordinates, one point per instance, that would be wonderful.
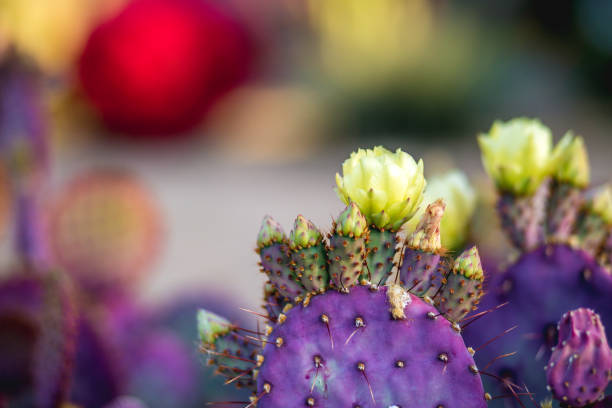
(387, 187)
(517, 154)
(571, 161)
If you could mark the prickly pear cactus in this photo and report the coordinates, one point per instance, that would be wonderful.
(562, 233)
(361, 337)
(580, 365)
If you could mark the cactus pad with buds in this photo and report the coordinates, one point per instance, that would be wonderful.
(357, 340)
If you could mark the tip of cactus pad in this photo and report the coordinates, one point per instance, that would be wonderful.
(351, 222)
(211, 326)
(304, 233)
(426, 236)
(468, 264)
(270, 232)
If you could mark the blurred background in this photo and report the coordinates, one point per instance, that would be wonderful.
(173, 126)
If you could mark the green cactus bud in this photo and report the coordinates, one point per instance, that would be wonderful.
(571, 162)
(426, 236)
(270, 233)
(351, 223)
(601, 204)
(517, 155)
(304, 234)
(387, 187)
(211, 326)
(462, 290)
(468, 264)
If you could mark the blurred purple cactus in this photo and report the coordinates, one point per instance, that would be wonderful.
(38, 333)
(560, 230)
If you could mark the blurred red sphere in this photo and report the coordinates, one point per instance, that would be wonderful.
(157, 66)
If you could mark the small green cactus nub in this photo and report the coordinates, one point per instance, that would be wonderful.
(571, 161)
(211, 326)
(601, 204)
(270, 233)
(426, 237)
(468, 264)
(304, 234)
(351, 223)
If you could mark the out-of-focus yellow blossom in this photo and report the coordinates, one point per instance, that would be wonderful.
(601, 204)
(517, 154)
(51, 32)
(460, 198)
(364, 40)
(571, 161)
(387, 187)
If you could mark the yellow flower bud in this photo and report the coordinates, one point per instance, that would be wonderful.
(517, 154)
(387, 187)
(571, 162)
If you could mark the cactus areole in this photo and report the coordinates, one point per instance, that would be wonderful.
(339, 335)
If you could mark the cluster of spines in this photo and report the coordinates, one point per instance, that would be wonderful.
(580, 366)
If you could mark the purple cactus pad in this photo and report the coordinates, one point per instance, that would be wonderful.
(346, 350)
(540, 286)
